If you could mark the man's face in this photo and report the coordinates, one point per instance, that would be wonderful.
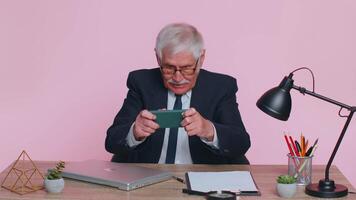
(180, 71)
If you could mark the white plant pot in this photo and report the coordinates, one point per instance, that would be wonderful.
(286, 190)
(54, 186)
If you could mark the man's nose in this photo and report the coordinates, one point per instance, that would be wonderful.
(177, 76)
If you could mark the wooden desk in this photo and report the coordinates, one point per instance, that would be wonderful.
(264, 176)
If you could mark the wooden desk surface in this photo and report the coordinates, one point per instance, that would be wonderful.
(264, 176)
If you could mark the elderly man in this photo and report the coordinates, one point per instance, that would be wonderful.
(212, 131)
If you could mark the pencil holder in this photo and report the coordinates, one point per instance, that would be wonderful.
(300, 168)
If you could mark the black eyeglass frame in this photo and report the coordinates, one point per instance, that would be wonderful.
(174, 70)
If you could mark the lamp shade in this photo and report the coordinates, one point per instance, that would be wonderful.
(277, 101)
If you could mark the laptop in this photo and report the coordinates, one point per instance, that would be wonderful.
(121, 175)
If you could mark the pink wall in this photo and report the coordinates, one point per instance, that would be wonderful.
(63, 67)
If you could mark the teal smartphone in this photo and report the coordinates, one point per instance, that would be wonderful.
(168, 118)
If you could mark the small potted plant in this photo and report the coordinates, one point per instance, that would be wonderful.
(54, 182)
(286, 186)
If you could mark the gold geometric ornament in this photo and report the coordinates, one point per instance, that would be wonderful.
(24, 176)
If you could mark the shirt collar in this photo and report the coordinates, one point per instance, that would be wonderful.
(185, 96)
(188, 94)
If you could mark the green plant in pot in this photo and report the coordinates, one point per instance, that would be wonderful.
(286, 186)
(54, 182)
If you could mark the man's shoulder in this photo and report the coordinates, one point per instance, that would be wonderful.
(214, 76)
(145, 72)
(145, 78)
(145, 75)
(217, 82)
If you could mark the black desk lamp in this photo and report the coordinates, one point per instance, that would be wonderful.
(277, 103)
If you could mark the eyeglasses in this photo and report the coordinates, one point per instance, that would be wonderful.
(185, 71)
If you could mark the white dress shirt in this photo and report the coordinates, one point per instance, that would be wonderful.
(182, 152)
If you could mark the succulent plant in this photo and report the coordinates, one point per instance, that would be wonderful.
(56, 173)
(286, 179)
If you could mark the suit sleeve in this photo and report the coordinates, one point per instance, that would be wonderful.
(115, 141)
(234, 141)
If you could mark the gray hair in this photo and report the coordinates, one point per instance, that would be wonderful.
(179, 37)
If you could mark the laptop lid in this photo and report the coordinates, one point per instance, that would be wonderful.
(121, 175)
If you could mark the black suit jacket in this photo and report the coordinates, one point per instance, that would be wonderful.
(214, 97)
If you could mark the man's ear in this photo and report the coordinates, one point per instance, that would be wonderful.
(202, 57)
(157, 58)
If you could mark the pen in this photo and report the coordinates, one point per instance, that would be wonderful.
(299, 148)
(289, 147)
(309, 151)
(242, 192)
(316, 142)
(306, 147)
(291, 152)
(294, 146)
(302, 145)
(178, 179)
(188, 191)
(311, 147)
(313, 150)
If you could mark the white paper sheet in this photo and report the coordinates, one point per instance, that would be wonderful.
(217, 181)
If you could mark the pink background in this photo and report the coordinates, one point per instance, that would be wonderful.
(64, 64)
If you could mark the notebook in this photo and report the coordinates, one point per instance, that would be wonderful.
(240, 182)
(121, 175)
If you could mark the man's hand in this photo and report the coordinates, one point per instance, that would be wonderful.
(195, 124)
(144, 125)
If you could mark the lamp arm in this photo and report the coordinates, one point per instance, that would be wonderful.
(338, 144)
(305, 91)
(350, 108)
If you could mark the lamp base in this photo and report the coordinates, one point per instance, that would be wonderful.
(326, 189)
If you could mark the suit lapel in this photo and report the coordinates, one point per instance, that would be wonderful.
(159, 94)
(159, 97)
(197, 100)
